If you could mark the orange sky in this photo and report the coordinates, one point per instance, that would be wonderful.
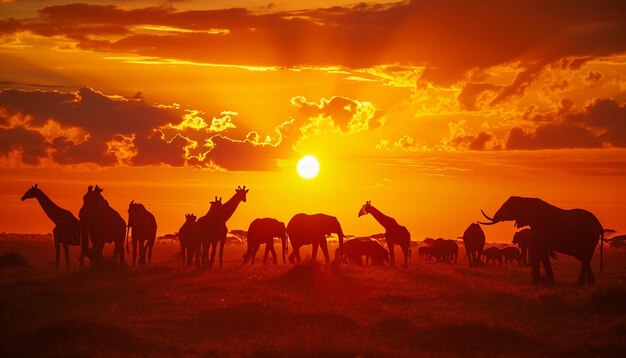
(430, 111)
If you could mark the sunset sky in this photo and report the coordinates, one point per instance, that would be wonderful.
(430, 109)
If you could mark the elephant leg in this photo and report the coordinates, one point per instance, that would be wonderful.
(143, 247)
(392, 254)
(591, 280)
(292, 256)
(547, 267)
(253, 253)
(583, 275)
(222, 242)
(273, 251)
(66, 248)
(324, 247)
(266, 253)
(314, 253)
(150, 246)
(57, 248)
(405, 251)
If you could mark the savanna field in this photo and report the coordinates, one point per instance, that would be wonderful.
(429, 309)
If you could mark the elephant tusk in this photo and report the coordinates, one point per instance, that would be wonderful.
(485, 215)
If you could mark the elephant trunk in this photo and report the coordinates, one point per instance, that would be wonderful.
(492, 221)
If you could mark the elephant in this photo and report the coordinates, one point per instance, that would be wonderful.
(492, 254)
(352, 251)
(522, 240)
(574, 232)
(143, 233)
(99, 223)
(375, 252)
(510, 254)
(444, 250)
(422, 251)
(304, 229)
(263, 231)
(185, 237)
(474, 241)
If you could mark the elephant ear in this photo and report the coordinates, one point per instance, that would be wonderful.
(531, 213)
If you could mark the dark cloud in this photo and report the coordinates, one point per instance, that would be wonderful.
(552, 136)
(599, 123)
(30, 144)
(605, 115)
(448, 37)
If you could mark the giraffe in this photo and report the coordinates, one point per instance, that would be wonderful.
(211, 228)
(67, 227)
(394, 232)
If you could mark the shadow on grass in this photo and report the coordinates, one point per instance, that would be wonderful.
(81, 338)
(12, 260)
(262, 319)
(327, 281)
(611, 300)
(476, 339)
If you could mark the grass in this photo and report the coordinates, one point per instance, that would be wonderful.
(310, 310)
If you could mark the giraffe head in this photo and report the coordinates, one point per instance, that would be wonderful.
(190, 218)
(365, 209)
(93, 201)
(215, 205)
(32, 192)
(240, 193)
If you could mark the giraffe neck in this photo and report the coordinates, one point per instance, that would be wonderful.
(382, 219)
(229, 207)
(52, 210)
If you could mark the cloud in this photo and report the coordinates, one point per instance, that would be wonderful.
(88, 126)
(345, 114)
(552, 136)
(447, 37)
(601, 122)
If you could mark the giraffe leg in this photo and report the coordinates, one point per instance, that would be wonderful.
(213, 247)
(222, 242)
(392, 254)
(66, 247)
(57, 247)
(134, 251)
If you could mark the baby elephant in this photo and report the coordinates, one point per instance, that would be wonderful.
(510, 254)
(423, 251)
(376, 253)
(263, 231)
(351, 251)
(492, 254)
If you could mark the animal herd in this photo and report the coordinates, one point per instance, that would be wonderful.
(548, 230)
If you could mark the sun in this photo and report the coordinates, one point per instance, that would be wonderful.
(308, 167)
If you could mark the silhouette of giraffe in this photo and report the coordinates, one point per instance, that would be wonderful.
(394, 232)
(67, 227)
(200, 232)
(214, 229)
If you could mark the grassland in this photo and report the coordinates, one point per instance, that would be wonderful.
(431, 309)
